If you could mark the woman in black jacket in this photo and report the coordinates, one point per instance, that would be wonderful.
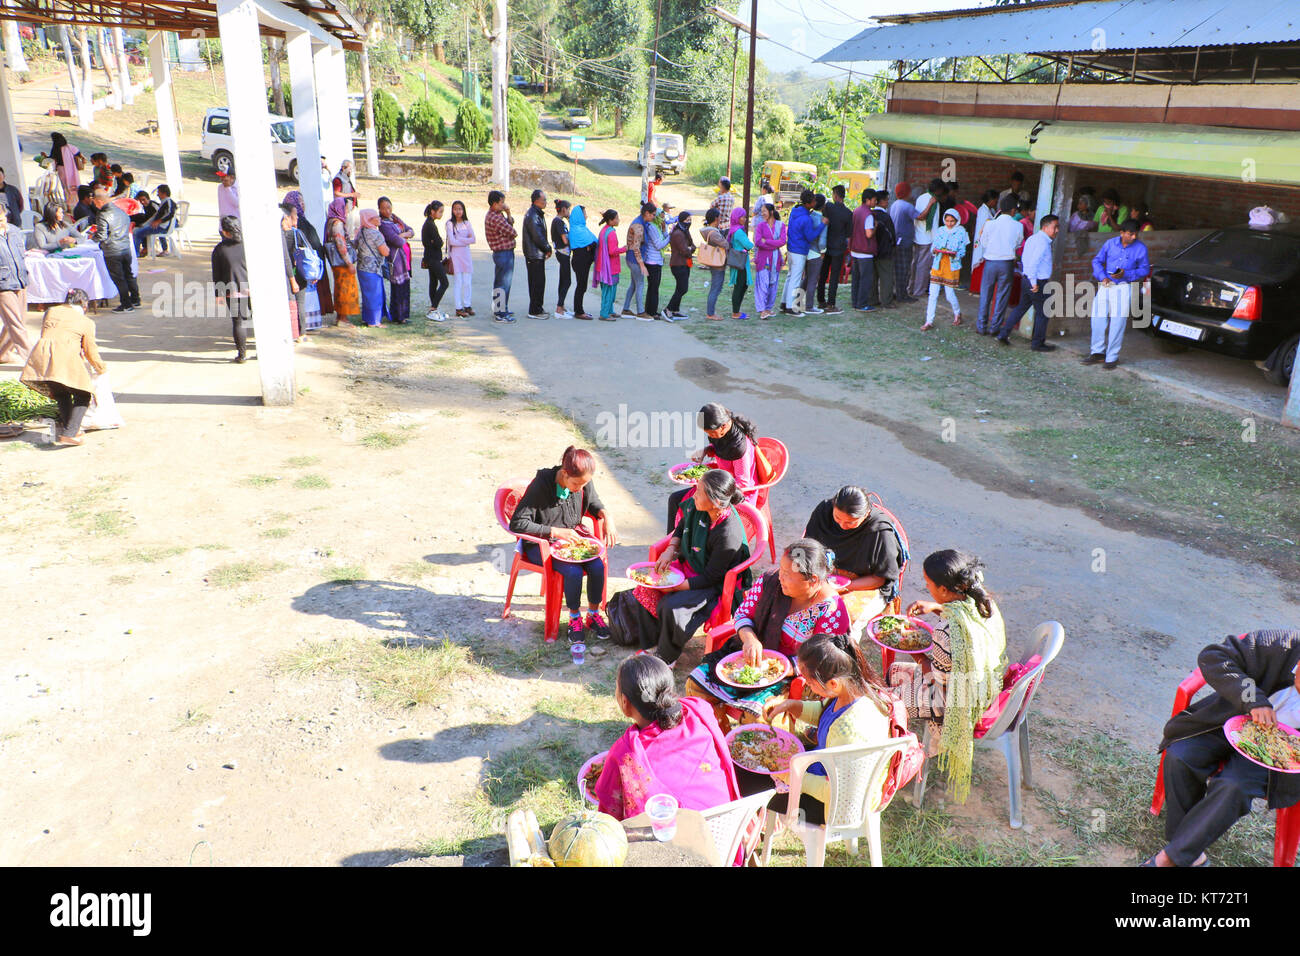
(432, 240)
(230, 276)
(709, 541)
(554, 504)
(867, 550)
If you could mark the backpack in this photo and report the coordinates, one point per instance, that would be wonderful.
(305, 259)
(886, 236)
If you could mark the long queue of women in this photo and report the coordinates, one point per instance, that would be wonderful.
(675, 744)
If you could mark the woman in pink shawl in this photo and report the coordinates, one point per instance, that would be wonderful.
(769, 237)
(65, 161)
(673, 746)
(340, 253)
(609, 262)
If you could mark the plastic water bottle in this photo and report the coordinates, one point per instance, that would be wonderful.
(579, 652)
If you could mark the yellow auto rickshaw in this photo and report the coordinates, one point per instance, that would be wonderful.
(788, 179)
(854, 180)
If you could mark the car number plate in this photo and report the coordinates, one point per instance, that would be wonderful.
(1180, 330)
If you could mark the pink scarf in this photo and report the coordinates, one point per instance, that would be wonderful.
(690, 761)
(607, 265)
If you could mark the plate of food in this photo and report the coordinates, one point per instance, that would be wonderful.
(733, 670)
(643, 572)
(897, 633)
(589, 774)
(687, 472)
(583, 549)
(1277, 748)
(762, 749)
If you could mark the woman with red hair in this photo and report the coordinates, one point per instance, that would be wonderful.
(554, 504)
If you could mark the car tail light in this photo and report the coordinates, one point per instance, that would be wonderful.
(1248, 306)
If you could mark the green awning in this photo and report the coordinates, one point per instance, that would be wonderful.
(1204, 152)
(1267, 157)
(959, 134)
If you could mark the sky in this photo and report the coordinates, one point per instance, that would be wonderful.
(812, 27)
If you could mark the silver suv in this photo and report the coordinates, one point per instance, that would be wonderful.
(218, 147)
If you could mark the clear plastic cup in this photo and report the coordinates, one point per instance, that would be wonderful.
(579, 652)
(662, 810)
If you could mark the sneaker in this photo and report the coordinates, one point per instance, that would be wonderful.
(643, 317)
(669, 317)
(834, 311)
(564, 315)
(124, 308)
(437, 316)
(501, 318)
(597, 625)
(577, 630)
(628, 314)
(813, 311)
(1093, 359)
(538, 315)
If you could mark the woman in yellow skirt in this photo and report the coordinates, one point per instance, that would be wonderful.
(949, 245)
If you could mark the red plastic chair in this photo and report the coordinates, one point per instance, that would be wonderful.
(552, 591)
(1286, 837)
(755, 530)
(778, 456)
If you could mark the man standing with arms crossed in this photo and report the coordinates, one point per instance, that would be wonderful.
(839, 223)
(536, 251)
(499, 227)
(862, 250)
(1119, 266)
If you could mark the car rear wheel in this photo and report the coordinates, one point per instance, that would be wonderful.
(293, 170)
(223, 162)
(1280, 366)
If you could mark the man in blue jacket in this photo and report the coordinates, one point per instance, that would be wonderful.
(803, 229)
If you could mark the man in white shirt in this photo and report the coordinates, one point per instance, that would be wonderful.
(1001, 238)
(1036, 264)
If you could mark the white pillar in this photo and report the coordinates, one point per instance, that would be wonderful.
(162, 95)
(10, 157)
(241, 49)
(1046, 189)
(306, 136)
(123, 65)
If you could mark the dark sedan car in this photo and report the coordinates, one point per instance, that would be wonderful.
(1235, 291)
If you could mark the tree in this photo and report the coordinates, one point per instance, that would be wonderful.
(473, 127)
(390, 123)
(606, 34)
(522, 122)
(284, 102)
(425, 124)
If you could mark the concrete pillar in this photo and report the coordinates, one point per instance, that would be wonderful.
(1067, 180)
(894, 173)
(263, 248)
(882, 174)
(162, 95)
(10, 157)
(306, 135)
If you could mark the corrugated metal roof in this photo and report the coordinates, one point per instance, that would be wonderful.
(1090, 26)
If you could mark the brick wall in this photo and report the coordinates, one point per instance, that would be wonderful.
(1176, 203)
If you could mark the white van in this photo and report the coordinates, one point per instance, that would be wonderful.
(217, 146)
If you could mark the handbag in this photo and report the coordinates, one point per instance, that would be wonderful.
(447, 266)
(738, 258)
(715, 257)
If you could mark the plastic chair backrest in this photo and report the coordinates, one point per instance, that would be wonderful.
(1049, 637)
(727, 823)
(507, 499)
(28, 218)
(182, 213)
(855, 775)
(777, 455)
(755, 530)
(899, 530)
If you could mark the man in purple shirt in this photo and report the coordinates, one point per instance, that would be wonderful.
(1119, 265)
(903, 214)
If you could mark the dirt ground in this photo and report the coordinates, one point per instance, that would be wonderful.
(207, 609)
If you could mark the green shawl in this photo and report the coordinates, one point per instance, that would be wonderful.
(978, 662)
(696, 525)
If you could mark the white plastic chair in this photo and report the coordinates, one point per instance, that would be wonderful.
(176, 235)
(728, 823)
(28, 217)
(855, 774)
(1010, 732)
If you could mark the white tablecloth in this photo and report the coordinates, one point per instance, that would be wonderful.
(50, 277)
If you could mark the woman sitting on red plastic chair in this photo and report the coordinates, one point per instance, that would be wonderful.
(707, 542)
(734, 441)
(865, 549)
(555, 503)
(1208, 785)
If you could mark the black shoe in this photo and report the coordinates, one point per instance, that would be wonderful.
(1108, 366)
(834, 311)
(786, 311)
(1093, 359)
(124, 308)
(1042, 348)
(240, 359)
(1004, 341)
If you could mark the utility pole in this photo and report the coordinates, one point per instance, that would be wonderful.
(500, 143)
(749, 108)
(368, 111)
(650, 103)
(731, 114)
(844, 108)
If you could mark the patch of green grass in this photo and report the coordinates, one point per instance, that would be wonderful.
(412, 570)
(109, 523)
(242, 572)
(399, 675)
(384, 440)
(260, 481)
(449, 412)
(345, 574)
(193, 716)
(302, 461)
(153, 555)
(310, 482)
(1110, 802)
(598, 711)
(275, 533)
(213, 547)
(528, 659)
(18, 403)
(495, 391)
